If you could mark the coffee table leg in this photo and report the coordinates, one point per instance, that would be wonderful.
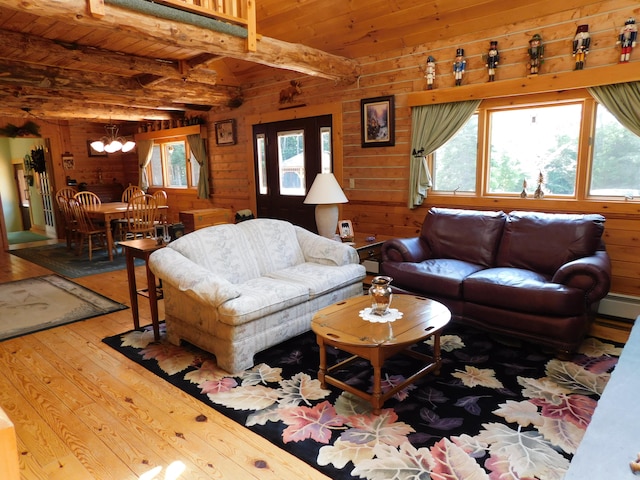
(437, 359)
(322, 369)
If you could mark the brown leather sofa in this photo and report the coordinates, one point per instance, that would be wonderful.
(536, 276)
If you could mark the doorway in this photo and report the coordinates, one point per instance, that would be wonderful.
(287, 157)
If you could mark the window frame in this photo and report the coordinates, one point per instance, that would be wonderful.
(160, 142)
(584, 154)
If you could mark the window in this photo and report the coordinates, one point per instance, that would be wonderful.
(508, 144)
(616, 158)
(291, 162)
(454, 164)
(169, 167)
(529, 142)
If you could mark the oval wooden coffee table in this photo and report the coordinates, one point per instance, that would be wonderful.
(341, 326)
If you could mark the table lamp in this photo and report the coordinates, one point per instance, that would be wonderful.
(326, 193)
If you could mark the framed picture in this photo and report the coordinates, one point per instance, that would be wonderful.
(346, 230)
(378, 121)
(68, 162)
(94, 153)
(226, 132)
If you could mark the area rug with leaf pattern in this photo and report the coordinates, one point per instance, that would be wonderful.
(499, 409)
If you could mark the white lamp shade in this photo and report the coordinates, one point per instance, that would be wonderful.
(325, 190)
(326, 193)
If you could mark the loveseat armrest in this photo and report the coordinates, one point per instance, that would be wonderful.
(591, 274)
(412, 250)
(319, 249)
(189, 277)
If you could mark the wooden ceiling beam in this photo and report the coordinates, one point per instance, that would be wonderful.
(32, 47)
(62, 80)
(270, 52)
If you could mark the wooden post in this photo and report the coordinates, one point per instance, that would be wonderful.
(9, 469)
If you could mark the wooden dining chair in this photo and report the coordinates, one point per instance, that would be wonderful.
(161, 197)
(67, 192)
(69, 223)
(96, 236)
(88, 198)
(142, 216)
(130, 192)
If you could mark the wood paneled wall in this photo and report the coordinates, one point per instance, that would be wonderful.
(376, 179)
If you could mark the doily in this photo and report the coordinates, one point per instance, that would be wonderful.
(391, 316)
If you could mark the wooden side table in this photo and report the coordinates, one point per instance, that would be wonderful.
(142, 248)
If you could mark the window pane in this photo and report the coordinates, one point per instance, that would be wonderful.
(195, 171)
(454, 164)
(262, 163)
(527, 142)
(176, 164)
(291, 163)
(616, 158)
(325, 139)
(156, 167)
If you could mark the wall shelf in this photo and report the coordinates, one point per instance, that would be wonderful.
(171, 132)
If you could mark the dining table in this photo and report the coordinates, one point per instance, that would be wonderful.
(108, 211)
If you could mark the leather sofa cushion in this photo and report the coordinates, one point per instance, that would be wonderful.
(437, 277)
(543, 242)
(466, 235)
(521, 290)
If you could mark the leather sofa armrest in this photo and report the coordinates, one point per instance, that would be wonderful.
(405, 250)
(591, 274)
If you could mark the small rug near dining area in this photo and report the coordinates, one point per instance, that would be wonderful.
(500, 408)
(58, 258)
(38, 303)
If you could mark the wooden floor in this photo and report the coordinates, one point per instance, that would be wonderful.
(83, 411)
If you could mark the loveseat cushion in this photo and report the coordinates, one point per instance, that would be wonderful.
(223, 250)
(543, 242)
(522, 290)
(439, 277)
(466, 235)
(260, 297)
(274, 244)
(320, 279)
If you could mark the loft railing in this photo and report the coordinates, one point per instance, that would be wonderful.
(238, 12)
(241, 12)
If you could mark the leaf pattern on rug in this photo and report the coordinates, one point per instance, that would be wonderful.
(546, 405)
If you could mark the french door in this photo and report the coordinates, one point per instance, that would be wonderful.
(287, 156)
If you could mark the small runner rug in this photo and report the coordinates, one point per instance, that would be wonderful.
(499, 408)
(38, 303)
(58, 258)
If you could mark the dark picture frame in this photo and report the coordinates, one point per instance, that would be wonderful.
(226, 132)
(94, 153)
(378, 121)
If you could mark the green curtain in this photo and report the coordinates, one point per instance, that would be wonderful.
(431, 127)
(622, 100)
(145, 148)
(196, 144)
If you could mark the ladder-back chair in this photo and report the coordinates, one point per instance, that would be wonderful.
(96, 236)
(142, 216)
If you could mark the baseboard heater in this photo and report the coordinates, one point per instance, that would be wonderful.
(620, 306)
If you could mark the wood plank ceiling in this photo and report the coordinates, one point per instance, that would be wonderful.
(59, 62)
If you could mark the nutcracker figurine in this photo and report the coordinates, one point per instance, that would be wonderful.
(627, 39)
(536, 54)
(493, 58)
(430, 72)
(459, 66)
(581, 45)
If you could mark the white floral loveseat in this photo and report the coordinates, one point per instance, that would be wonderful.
(235, 290)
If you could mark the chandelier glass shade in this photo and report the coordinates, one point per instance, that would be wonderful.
(112, 143)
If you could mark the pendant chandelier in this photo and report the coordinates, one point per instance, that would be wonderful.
(112, 143)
